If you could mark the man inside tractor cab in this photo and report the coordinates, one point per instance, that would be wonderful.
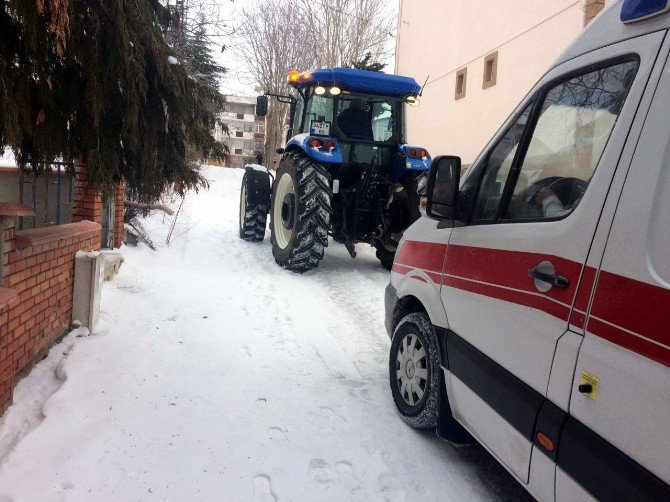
(355, 121)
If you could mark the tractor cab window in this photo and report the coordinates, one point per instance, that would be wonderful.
(297, 117)
(382, 121)
(365, 118)
(319, 115)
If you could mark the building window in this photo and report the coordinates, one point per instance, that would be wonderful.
(490, 70)
(259, 128)
(592, 9)
(238, 151)
(239, 134)
(240, 116)
(461, 83)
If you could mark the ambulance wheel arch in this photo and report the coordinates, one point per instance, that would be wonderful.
(418, 293)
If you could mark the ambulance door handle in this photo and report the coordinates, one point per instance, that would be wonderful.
(554, 279)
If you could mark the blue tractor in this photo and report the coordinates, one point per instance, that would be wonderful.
(345, 172)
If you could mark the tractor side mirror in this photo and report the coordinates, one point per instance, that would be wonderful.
(261, 106)
(442, 191)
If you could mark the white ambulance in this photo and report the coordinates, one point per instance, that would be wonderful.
(530, 308)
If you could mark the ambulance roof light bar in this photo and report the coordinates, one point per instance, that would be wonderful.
(637, 10)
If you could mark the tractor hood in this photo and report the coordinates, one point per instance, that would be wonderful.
(366, 82)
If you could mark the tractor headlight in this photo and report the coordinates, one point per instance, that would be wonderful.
(413, 101)
(319, 90)
(335, 90)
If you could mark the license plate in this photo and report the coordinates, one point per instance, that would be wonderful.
(320, 128)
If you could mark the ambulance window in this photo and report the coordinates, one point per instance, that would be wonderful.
(496, 168)
(575, 121)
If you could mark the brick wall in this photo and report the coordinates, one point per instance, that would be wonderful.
(119, 199)
(87, 204)
(40, 270)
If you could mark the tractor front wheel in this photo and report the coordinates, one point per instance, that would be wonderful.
(300, 213)
(253, 218)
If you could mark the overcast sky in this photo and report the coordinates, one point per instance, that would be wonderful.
(237, 81)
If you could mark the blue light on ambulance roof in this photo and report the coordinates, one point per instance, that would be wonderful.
(636, 10)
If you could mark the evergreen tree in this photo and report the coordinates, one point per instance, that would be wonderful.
(96, 80)
(365, 64)
(202, 67)
(198, 57)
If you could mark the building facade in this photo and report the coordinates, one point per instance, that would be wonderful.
(479, 59)
(246, 137)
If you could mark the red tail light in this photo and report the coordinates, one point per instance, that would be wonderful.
(412, 152)
(330, 145)
(422, 153)
(315, 143)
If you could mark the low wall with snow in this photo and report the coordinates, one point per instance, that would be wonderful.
(36, 292)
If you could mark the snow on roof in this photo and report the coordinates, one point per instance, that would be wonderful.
(246, 100)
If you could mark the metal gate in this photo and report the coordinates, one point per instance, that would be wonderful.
(50, 199)
(107, 235)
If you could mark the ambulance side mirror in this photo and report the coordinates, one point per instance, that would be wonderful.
(261, 106)
(442, 191)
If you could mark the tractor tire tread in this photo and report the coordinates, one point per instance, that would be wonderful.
(315, 211)
(255, 220)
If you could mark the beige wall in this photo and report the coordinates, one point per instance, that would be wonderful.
(439, 37)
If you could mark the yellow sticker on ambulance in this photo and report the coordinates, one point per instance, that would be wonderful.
(592, 380)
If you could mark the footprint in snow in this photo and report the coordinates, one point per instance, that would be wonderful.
(346, 478)
(263, 489)
(277, 434)
(390, 488)
(321, 473)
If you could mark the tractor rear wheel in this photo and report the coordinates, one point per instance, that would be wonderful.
(300, 213)
(386, 255)
(403, 211)
(253, 219)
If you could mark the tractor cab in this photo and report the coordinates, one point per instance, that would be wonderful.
(352, 119)
(346, 170)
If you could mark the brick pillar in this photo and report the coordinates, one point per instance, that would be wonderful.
(88, 200)
(7, 246)
(7, 243)
(119, 200)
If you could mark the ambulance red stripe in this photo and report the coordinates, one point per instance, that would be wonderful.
(424, 255)
(625, 305)
(510, 269)
(539, 302)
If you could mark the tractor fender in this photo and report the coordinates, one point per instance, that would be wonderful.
(301, 142)
(259, 186)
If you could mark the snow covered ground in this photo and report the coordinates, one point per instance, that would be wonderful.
(213, 374)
